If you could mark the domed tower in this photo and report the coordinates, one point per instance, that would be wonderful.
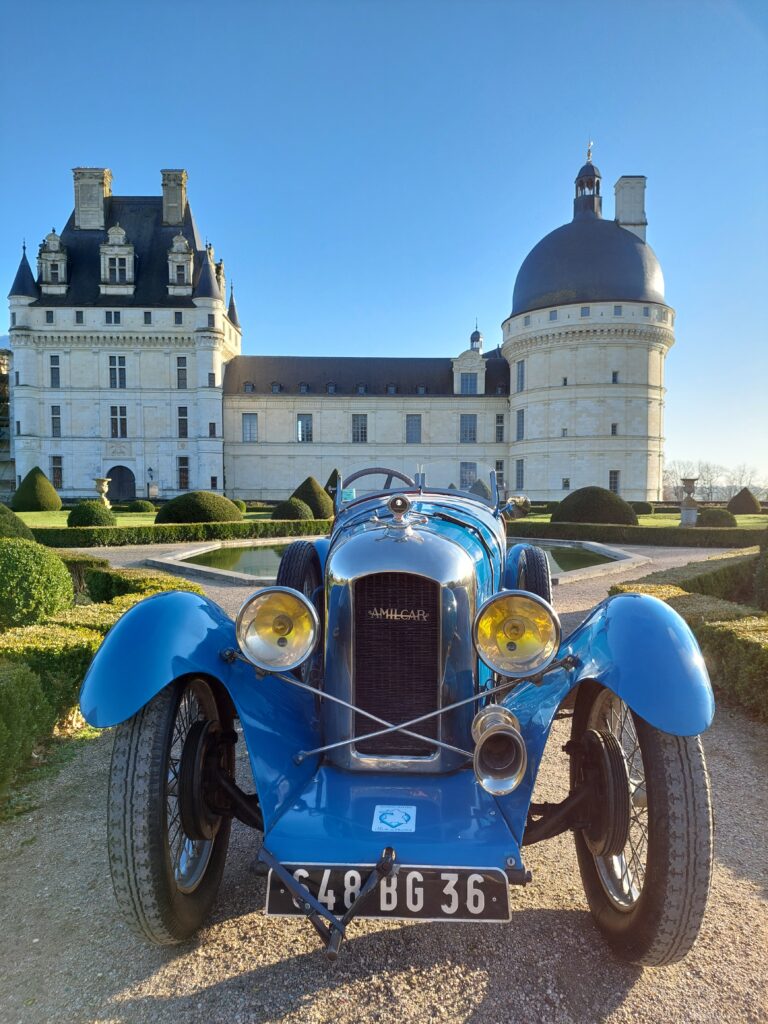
(586, 342)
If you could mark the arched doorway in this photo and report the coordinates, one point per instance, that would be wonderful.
(122, 485)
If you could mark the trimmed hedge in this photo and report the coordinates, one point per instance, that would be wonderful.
(239, 503)
(315, 497)
(77, 563)
(36, 493)
(12, 525)
(140, 505)
(34, 583)
(737, 654)
(106, 584)
(91, 513)
(594, 505)
(661, 536)
(715, 517)
(744, 503)
(761, 582)
(293, 508)
(172, 533)
(642, 508)
(199, 507)
(25, 715)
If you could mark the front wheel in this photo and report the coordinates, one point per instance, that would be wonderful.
(647, 897)
(166, 879)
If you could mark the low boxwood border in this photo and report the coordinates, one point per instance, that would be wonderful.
(660, 536)
(173, 533)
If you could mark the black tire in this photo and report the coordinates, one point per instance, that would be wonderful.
(649, 901)
(534, 575)
(164, 895)
(300, 569)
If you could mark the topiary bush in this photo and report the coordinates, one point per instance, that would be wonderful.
(141, 505)
(642, 508)
(744, 503)
(34, 583)
(24, 715)
(292, 508)
(199, 507)
(594, 505)
(91, 513)
(239, 503)
(12, 526)
(312, 494)
(481, 489)
(36, 493)
(332, 483)
(715, 517)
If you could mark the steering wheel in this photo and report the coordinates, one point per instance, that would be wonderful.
(390, 473)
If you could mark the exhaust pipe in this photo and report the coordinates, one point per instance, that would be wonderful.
(500, 756)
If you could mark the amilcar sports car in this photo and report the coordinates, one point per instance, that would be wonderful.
(395, 691)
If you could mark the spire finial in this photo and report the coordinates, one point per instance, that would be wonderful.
(24, 246)
(590, 144)
(475, 323)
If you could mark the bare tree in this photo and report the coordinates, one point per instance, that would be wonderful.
(738, 477)
(711, 476)
(673, 474)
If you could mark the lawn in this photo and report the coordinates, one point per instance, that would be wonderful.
(751, 522)
(59, 519)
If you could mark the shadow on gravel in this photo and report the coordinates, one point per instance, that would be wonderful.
(542, 965)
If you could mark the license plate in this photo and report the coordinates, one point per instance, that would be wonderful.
(424, 893)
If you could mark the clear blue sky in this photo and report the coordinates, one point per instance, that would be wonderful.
(373, 172)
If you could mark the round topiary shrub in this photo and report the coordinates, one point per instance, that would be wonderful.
(239, 503)
(318, 499)
(36, 493)
(12, 526)
(715, 517)
(34, 583)
(141, 505)
(481, 489)
(594, 505)
(642, 508)
(744, 503)
(91, 513)
(199, 507)
(293, 508)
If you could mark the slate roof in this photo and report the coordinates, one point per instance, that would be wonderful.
(24, 283)
(349, 371)
(207, 286)
(232, 311)
(142, 219)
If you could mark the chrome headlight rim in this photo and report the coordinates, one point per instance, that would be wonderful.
(528, 673)
(241, 626)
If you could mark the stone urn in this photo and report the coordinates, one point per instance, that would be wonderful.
(689, 508)
(102, 486)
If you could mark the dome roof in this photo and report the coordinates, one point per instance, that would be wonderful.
(588, 260)
(588, 171)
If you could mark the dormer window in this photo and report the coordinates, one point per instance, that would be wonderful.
(52, 265)
(248, 387)
(303, 387)
(331, 387)
(54, 273)
(362, 389)
(117, 263)
(181, 274)
(180, 258)
(391, 389)
(421, 389)
(276, 388)
(118, 270)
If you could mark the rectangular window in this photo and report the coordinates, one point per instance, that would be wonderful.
(468, 428)
(304, 427)
(519, 474)
(117, 372)
(55, 421)
(54, 273)
(117, 270)
(55, 372)
(214, 483)
(564, 432)
(500, 473)
(118, 421)
(16, 377)
(147, 316)
(499, 427)
(646, 310)
(614, 377)
(360, 428)
(553, 314)
(565, 382)
(111, 316)
(467, 475)
(49, 316)
(585, 310)
(211, 319)
(614, 477)
(13, 319)
(182, 472)
(211, 430)
(250, 427)
(526, 321)
(211, 380)
(520, 425)
(614, 429)
(57, 471)
(78, 316)
(617, 311)
(181, 274)
(469, 384)
(520, 368)
(182, 421)
(177, 319)
(181, 373)
(566, 483)
(413, 428)
(18, 427)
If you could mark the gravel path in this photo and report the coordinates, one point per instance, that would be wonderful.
(65, 955)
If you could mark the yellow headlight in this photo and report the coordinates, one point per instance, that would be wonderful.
(516, 633)
(277, 629)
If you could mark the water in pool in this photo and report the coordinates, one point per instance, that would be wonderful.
(262, 561)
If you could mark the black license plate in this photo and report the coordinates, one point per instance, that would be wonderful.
(427, 894)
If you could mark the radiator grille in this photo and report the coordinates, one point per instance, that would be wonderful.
(396, 659)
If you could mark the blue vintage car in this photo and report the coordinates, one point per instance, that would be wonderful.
(395, 690)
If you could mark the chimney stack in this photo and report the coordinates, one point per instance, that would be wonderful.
(174, 196)
(92, 186)
(630, 203)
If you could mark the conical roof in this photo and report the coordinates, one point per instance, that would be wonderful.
(232, 311)
(207, 285)
(24, 283)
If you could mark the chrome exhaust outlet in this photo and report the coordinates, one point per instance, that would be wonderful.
(500, 756)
